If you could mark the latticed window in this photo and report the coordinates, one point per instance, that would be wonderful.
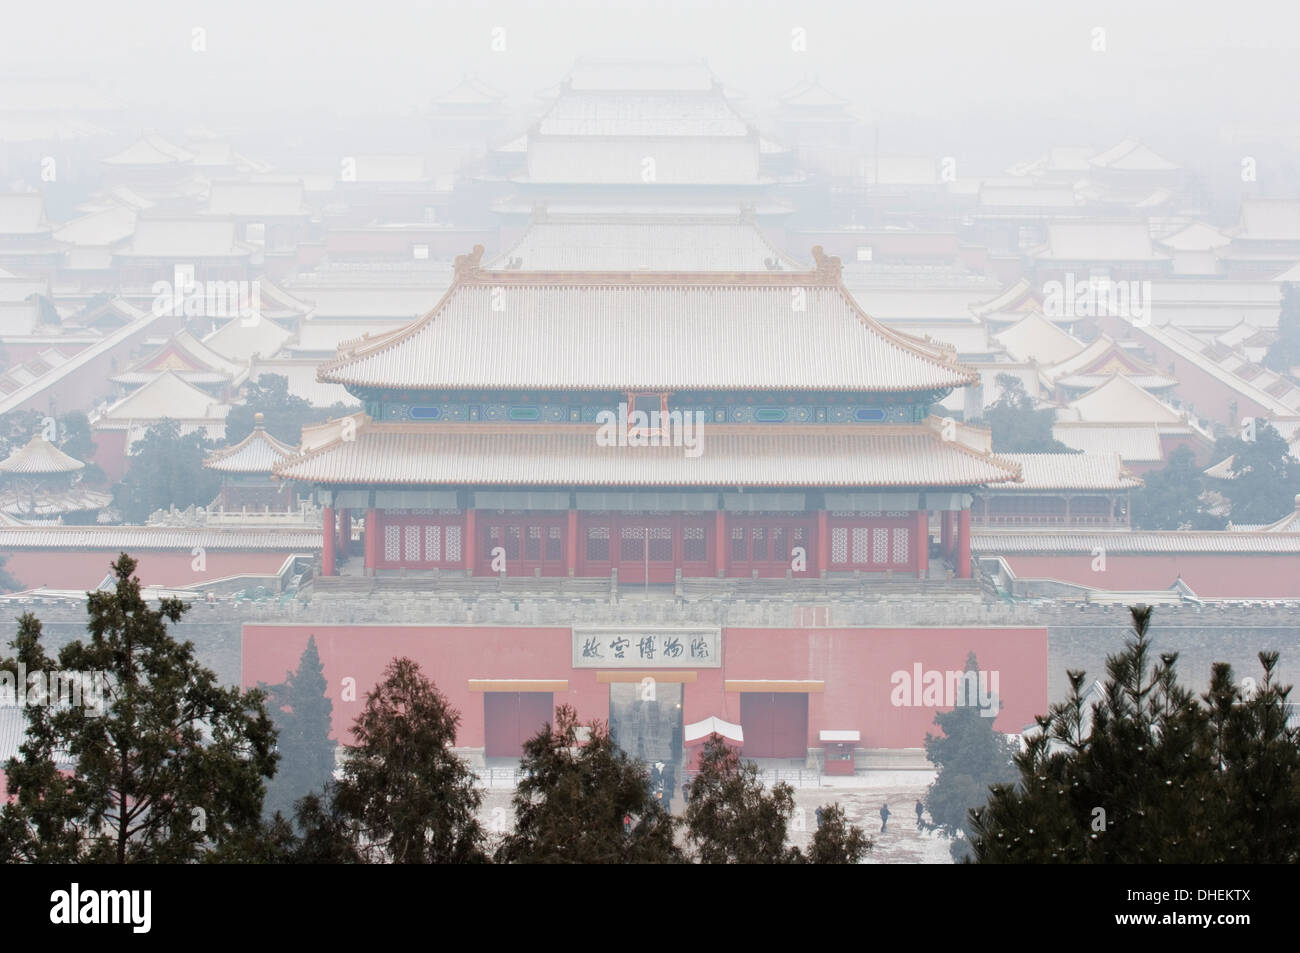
(861, 535)
(512, 542)
(759, 544)
(839, 545)
(453, 544)
(695, 549)
(533, 544)
(661, 544)
(632, 547)
(554, 544)
(879, 545)
(738, 544)
(392, 544)
(598, 544)
(901, 547)
(433, 543)
(412, 544)
(780, 549)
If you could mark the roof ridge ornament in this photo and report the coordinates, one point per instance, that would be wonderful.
(469, 267)
(827, 266)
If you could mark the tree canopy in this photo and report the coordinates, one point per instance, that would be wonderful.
(1284, 353)
(409, 797)
(166, 469)
(155, 762)
(300, 709)
(1147, 774)
(971, 757)
(284, 414)
(1266, 478)
(1173, 497)
(573, 799)
(1019, 426)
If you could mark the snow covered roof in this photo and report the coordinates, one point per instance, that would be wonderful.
(675, 330)
(39, 457)
(1069, 471)
(1034, 338)
(256, 453)
(1120, 400)
(1131, 156)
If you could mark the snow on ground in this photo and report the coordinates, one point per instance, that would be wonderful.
(860, 796)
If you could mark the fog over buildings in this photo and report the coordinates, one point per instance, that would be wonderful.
(783, 355)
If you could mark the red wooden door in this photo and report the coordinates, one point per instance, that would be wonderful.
(528, 543)
(775, 724)
(511, 718)
(766, 545)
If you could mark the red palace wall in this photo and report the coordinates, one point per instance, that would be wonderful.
(110, 453)
(60, 569)
(1212, 575)
(856, 664)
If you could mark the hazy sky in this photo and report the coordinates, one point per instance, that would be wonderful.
(1183, 62)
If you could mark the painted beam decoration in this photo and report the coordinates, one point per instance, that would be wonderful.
(647, 647)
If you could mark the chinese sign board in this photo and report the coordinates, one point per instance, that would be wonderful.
(640, 647)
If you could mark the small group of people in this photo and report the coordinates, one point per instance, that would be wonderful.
(885, 813)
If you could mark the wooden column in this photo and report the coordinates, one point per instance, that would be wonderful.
(721, 541)
(345, 533)
(922, 543)
(963, 545)
(572, 553)
(328, 539)
(469, 542)
(823, 543)
(372, 541)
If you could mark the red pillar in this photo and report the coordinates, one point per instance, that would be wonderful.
(327, 541)
(945, 534)
(372, 540)
(720, 543)
(922, 543)
(573, 543)
(963, 545)
(823, 543)
(469, 542)
(345, 533)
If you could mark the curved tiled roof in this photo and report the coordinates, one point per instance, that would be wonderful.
(256, 453)
(569, 455)
(40, 457)
(651, 331)
(1072, 471)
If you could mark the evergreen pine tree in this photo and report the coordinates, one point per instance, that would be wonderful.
(971, 757)
(836, 840)
(166, 765)
(409, 797)
(730, 818)
(300, 709)
(1149, 775)
(571, 805)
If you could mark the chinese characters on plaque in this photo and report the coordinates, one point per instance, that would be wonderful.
(618, 647)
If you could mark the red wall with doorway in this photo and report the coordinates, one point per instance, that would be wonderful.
(857, 666)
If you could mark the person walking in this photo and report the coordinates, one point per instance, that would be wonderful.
(819, 818)
(884, 817)
(920, 809)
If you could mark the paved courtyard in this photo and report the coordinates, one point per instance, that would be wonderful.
(861, 797)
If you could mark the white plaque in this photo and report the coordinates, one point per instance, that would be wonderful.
(647, 647)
